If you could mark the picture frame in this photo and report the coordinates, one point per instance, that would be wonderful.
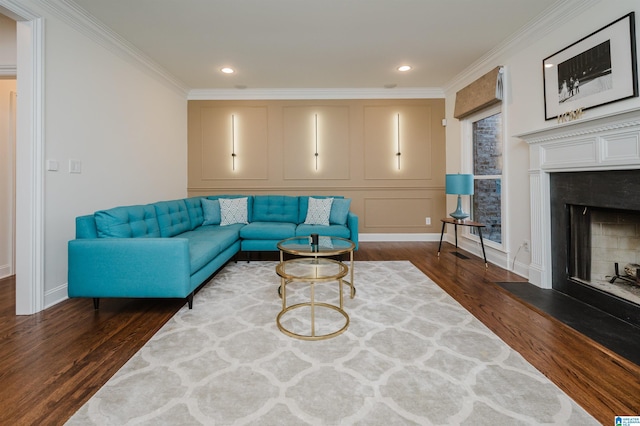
(598, 69)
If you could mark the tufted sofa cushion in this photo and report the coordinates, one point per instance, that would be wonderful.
(275, 208)
(127, 222)
(194, 207)
(173, 217)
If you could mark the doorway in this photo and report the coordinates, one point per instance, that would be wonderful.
(8, 60)
(29, 184)
(7, 176)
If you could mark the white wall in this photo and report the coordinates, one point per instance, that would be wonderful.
(126, 126)
(525, 104)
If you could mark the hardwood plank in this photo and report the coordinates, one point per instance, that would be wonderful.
(602, 382)
(53, 362)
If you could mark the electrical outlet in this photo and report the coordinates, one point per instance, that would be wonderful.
(427, 221)
(525, 245)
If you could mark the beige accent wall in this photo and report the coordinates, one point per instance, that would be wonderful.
(275, 143)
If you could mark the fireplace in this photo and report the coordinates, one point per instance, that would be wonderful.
(587, 170)
(595, 225)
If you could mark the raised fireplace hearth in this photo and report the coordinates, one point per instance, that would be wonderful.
(587, 169)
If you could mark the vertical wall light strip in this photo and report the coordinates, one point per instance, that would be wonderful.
(398, 153)
(233, 142)
(316, 133)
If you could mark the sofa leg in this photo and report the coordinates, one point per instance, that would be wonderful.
(96, 303)
(190, 300)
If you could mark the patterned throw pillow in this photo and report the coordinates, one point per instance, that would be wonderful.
(233, 210)
(319, 211)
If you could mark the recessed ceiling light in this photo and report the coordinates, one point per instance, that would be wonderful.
(227, 70)
(404, 68)
(390, 85)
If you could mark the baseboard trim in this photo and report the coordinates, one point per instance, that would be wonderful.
(5, 271)
(55, 295)
(397, 237)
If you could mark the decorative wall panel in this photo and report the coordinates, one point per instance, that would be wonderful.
(234, 143)
(398, 142)
(311, 130)
(397, 212)
(357, 145)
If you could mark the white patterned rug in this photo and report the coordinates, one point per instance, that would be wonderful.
(411, 355)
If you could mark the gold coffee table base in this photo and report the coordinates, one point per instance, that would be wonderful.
(311, 271)
(312, 336)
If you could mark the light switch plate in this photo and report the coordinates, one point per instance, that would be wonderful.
(52, 165)
(75, 166)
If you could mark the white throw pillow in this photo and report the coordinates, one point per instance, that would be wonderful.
(233, 210)
(318, 211)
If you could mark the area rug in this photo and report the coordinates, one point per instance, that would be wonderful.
(411, 355)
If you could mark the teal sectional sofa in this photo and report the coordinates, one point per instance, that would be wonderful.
(169, 248)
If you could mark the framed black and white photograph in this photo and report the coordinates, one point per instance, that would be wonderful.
(596, 70)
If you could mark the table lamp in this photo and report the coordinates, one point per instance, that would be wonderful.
(459, 184)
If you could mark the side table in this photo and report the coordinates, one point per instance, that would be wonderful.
(455, 223)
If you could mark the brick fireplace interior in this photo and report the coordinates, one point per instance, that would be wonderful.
(595, 223)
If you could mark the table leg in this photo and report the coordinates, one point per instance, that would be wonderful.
(455, 227)
(313, 311)
(283, 293)
(486, 265)
(282, 282)
(441, 234)
(352, 284)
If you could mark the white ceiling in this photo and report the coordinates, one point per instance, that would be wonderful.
(320, 44)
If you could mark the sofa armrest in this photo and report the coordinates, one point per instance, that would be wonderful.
(129, 267)
(352, 224)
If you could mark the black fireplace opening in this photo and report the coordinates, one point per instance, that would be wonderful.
(595, 239)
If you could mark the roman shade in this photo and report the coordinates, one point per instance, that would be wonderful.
(482, 93)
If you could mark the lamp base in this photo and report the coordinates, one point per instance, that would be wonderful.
(459, 214)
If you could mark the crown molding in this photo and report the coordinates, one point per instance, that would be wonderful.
(301, 94)
(82, 21)
(552, 18)
(16, 10)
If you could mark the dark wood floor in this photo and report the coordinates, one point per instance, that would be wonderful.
(52, 362)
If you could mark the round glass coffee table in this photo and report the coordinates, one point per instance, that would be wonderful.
(312, 265)
(326, 247)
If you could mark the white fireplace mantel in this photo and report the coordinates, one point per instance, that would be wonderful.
(609, 142)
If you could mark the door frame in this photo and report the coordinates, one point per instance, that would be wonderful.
(29, 255)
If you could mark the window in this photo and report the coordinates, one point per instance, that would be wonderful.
(486, 141)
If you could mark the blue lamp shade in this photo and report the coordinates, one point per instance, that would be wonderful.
(459, 184)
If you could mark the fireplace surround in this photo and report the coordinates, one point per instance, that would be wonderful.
(575, 198)
(579, 153)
